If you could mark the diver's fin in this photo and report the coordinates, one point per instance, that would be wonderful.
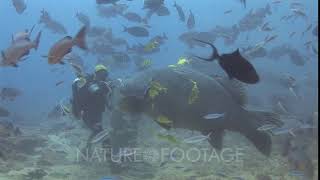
(216, 139)
(214, 55)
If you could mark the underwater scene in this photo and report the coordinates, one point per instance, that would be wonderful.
(159, 90)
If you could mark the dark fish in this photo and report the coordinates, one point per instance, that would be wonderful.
(137, 31)
(244, 3)
(106, 1)
(59, 83)
(315, 31)
(180, 12)
(234, 65)
(163, 11)
(134, 17)
(51, 24)
(19, 5)
(191, 21)
(111, 11)
(4, 112)
(228, 11)
(9, 93)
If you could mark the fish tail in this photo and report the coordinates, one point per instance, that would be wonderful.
(80, 38)
(261, 139)
(215, 53)
(36, 42)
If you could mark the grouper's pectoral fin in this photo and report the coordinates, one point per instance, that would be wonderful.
(215, 139)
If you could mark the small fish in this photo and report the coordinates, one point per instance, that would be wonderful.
(228, 11)
(299, 12)
(64, 47)
(296, 173)
(59, 83)
(214, 116)
(163, 163)
(180, 12)
(106, 1)
(234, 64)
(269, 39)
(292, 34)
(308, 29)
(315, 50)
(281, 131)
(100, 136)
(19, 5)
(136, 31)
(276, 2)
(197, 139)
(267, 127)
(191, 21)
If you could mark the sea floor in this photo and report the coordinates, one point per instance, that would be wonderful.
(52, 154)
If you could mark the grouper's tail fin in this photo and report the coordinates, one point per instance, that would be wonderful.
(261, 139)
(80, 38)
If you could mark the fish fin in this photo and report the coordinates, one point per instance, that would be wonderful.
(214, 55)
(235, 88)
(260, 139)
(62, 63)
(80, 38)
(255, 119)
(215, 139)
(37, 41)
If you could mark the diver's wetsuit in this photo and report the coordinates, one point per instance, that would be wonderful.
(89, 102)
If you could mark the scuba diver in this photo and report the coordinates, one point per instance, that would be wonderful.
(90, 98)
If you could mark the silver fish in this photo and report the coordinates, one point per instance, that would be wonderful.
(214, 116)
(100, 136)
(197, 139)
(267, 127)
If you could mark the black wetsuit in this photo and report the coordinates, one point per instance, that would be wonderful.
(89, 102)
